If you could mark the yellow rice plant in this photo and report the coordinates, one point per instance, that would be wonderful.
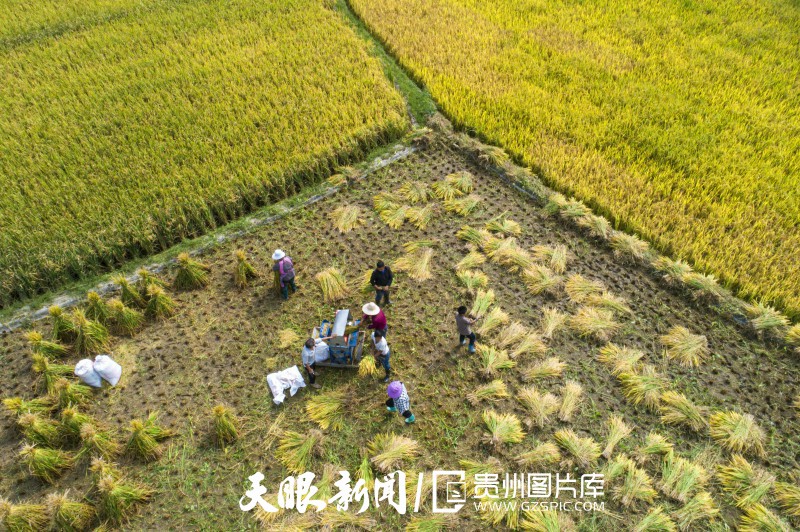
(295, 450)
(363, 284)
(580, 452)
(541, 280)
(420, 217)
(446, 191)
(609, 301)
(530, 344)
(288, 338)
(629, 246)
(46, 464)
(619, 359)
(492, 391)
(654, 444)
(617, 466)
(472, 468)
(414, 246)
(384, 202)
(50, 350)
(677, 409)
(68, 514)
(656, 520)
(513, 257)
(680, 478)
(643, 386)
(327, 410)
(395, 217)
(124, 320)
(417, 264)
(492, 321)
(336, 520)
(477, 237)
(337, 180)
(548, 368)
(367, 367)
(703, 286)
(483, 300)
(91, 337)
(554, 257)
(571, 398)
(699, 509)
(39, 430)
(502, 429)
(597, 226)
(493, 360)
(636, 486)
(189, 273)
(553, 320)
(787, 496)
(96, 308)
(745, 484)
(579, 288)
(462, 180)
(504, 226)
(542, 455)
(415, 191)
(493, 155)
(672, 271)
(618, 430)
(23, 517)
(346, 218)
(685, 347)
(471, 260)
(540, 406)
(758, 518)
(463, 206)
(472, 280)
(738, 433)
(509, 335)
(389, 451)
(333, 284)
(430, 523)
(793, 335)
(540, 520)
(764, 317)
(594, 322)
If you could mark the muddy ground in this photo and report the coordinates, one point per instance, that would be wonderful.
(222, 343)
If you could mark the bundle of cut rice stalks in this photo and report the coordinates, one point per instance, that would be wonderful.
(463, 206)
(333, 284)
(417, 264)
(346, 218)
(415, 191)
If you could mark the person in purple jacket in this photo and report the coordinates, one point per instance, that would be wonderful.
(285, 269)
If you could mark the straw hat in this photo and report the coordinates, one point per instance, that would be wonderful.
(395, 389)
(278, 255)
(371, 309)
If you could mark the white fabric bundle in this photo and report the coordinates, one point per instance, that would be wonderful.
(279, 381)
(84, 370)
(108, 369)
(322, 352)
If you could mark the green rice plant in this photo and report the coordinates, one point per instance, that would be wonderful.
(124, 320)
(327, 410)
(141, 443)
(629, 246)
(541, 280)
(476, 237)
(700, 509)
(364, 284)
(594, 322)
(688, 349)
(333, 284)
(129, 294)
(39, 430)
(91, 337)
(619, 359)
(462, 180)
(159, 305)
(511, 334)
(446, 191)
(504, 511)
(579, 288)
(555, 202)
(703, 286)
(96, 308)
(417, 265)
(49, 372)
(538, 520)
(598, 226)
(69, 515)
(389, 451)
(532, 344)
(63, 329)
(553, 320)
(71, 393)
(787, 496)
(463, 206)
(145, 279)
(46, 464)
(119, 497)
(97, 442)
(540, 406)
(617, 466)
(23, 517)
(492, 321)
(636, 487)
(395, 217)
(654, 444)
(421, 217)
(758, 518)
(226, 425)
(504, 226)
(677, 409)
(581, 452)
(296, 450)
(154, 429)
(493, 360)
(37, 405)
(793, 335)
(542, 456)
(287, 338)
(548, 368)
(189, 273)
(554, 257)
(643, 387)
(430, 523)
(571, 397)
(48, 349)
(655, 521)
(680, 478)
(609, 301)
(618, 430)
(367, 367)
(673, 271)
(365, 473)
(472, 280)
(492, 391)
(745, 484)
(574, 210)
(738, 433)
(243, 271)
(336, 520)
(346, 218)
(100, 467)
(483, 300)
(764, 317)
(472, 468)
(415, 191)
(502, 428)
(471, 260)
(384, 202)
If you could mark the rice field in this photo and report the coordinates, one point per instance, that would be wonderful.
(678, 120)
(128, 126)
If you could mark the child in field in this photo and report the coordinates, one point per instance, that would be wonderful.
(464, 326)
(399, 402)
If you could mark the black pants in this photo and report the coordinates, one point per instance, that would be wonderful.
(312, 376)
(471, 337)
(381, 294)
(390, 404)
(286, 286)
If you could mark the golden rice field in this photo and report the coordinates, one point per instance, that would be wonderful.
(679, 119)
(128, 125)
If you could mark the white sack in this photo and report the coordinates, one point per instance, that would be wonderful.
(84, 369)
(322, 352)
(108, 369)
(279, 381)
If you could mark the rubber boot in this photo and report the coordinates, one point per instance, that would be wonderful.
(471, 349)
(410, 420)
(391, 409)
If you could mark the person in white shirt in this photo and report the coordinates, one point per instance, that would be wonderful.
(381, 352)
(310, 362)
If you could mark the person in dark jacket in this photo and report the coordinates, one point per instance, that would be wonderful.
(381, 280)
(284, 268)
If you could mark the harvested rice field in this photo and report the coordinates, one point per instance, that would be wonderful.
(587, 362)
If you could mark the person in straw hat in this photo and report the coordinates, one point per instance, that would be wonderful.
(399, 402)
(284, 272)
(374, 318)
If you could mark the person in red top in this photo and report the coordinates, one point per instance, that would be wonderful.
(374, 318)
